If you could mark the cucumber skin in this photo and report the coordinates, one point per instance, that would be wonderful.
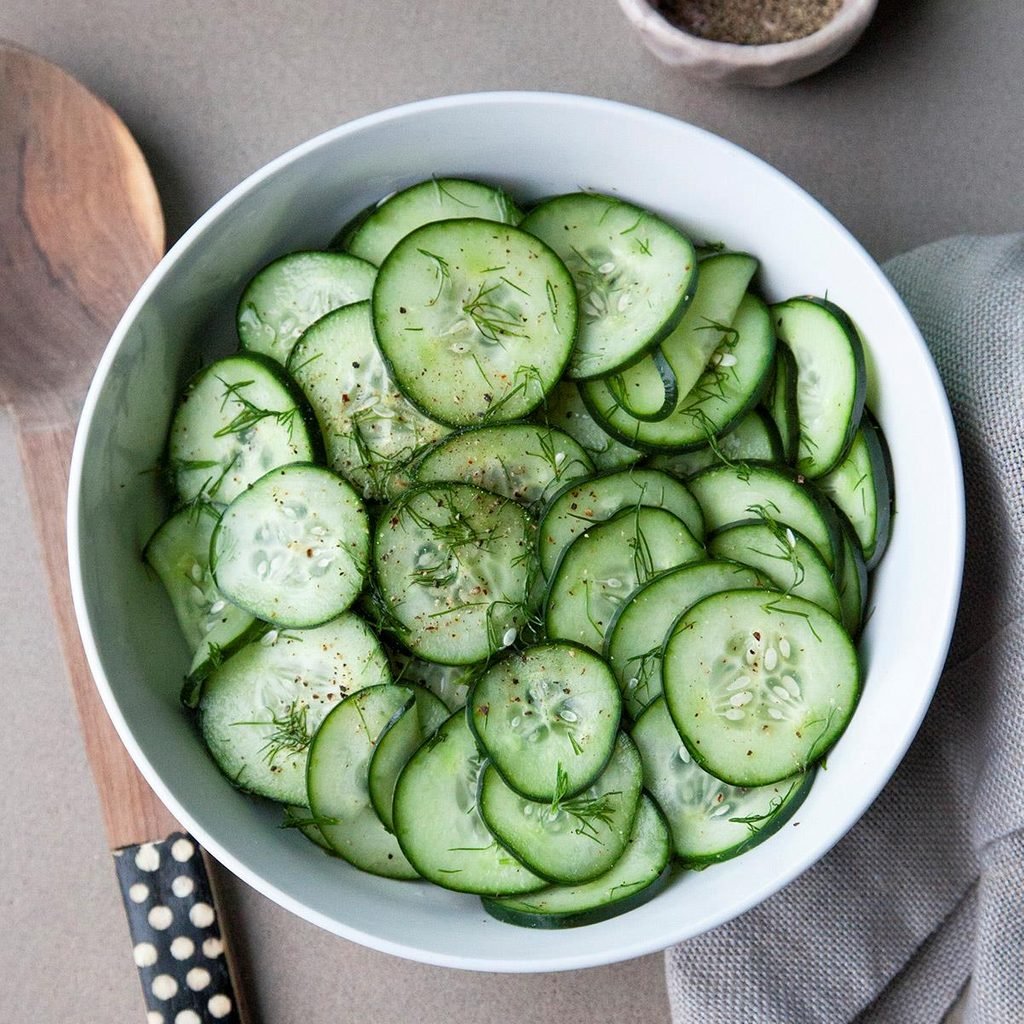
(752, 401)
(668, 380)
(885, 487)
(781, 409)
(578, 920)
(860, 374)
(758, 837)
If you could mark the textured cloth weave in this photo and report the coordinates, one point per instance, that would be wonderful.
(928, 889)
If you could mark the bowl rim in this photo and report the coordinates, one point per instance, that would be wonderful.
(944, 432)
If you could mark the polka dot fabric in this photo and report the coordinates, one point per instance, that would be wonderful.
(176, 938)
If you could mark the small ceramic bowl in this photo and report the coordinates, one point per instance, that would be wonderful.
(533, 144)
(736, 64)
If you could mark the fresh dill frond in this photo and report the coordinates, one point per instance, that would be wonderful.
(291, 732)
(250, 414)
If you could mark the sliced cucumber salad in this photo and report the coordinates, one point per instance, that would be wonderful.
(524, 550)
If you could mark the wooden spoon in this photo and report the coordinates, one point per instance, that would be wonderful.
(80, 228)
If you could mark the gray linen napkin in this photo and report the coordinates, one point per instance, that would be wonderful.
(928, 888)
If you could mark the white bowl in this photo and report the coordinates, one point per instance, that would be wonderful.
(767, 64)
(534, 144)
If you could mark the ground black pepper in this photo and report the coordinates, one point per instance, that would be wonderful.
(749, 22)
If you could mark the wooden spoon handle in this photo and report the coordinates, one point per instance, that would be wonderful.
(176, 936)
(131, 811)
(148, 843)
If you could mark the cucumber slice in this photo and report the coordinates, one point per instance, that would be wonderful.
(781, 403)
(475, 320)
(753, 439)
(732, 383)
(602, 568)
(259, 710)
(288, 295)
(852, 584)
(454, 568)
(634, 274)
(547, 717)
(830, 382)
(523, 461)
(438, 199)
(578, 507)
(861, 485)
(710, 820)
(211, 655)
(781, 554)
(638, 876)
(336, 779)
(179, 553)
(647, 390)
(213, 627)
(301, 818)
(564, 408)
(637, 635)
(569, 839)
(293, 548)
(238, 418)
(724, 279)
(370, 429)
(759, 685)
(438, 823)
(450, 683)
(400, 739)
(732, 494)
(651, 388)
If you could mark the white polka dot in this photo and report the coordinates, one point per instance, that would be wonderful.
(201, 915)
(164, 987)
(160, 918)
(145, 954)
(182, 947)
(219, 1006)
(182, 850)
(154, 1017)
(182, 886)
(147, 858)
(198, 978)
(138, 892)
(212, 948)
(187, 1017)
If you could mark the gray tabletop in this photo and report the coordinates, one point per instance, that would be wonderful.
(916, 135)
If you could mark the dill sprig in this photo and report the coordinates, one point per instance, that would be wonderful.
(786, 541)
(589, 812)
(493, 320)
(291, 731)
(755, 822)
(444, 274)
(778, 607)
(646, 668)
(212, 484)
(643, 559)
(250, 414)
(522, 378)
(442, 191)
